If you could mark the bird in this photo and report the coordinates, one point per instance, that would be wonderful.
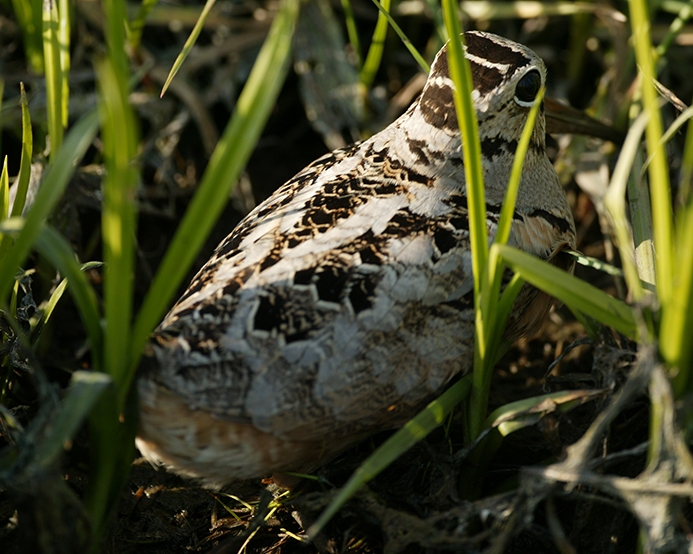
(343, 304)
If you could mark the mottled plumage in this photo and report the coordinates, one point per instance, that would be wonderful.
(343, 303)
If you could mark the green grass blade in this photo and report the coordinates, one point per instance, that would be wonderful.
(64, 45)
(658, 170)
(55, 248)
(414, 431)
(403, 37)
(118, 220)
(573, 292)
(252, 110)
(375, 51)
(188, 46)
(4, 193)
(615, 203)
(135, 28)
(686, 177)
(54, 74)
(22, 183)
(51, 190)
(675, 342)
(469, 127)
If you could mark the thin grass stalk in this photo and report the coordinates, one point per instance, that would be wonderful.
(353, 32)
(375, 51)
(249, 118)
(188, 46)
(658, 170)
(404, 38)
(118, 217)
(54, 77)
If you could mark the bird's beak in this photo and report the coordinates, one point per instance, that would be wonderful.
(564, 119)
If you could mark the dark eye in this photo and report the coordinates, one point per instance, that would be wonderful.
(528, 87)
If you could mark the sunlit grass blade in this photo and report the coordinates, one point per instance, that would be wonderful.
(403, 37)
(51, 190)
(573, 292)
(494, 325)
(54, 76)
(118, 222)
(469, 128)
(375, 51)
(84, 391)
(188, 46)
(414, 431)
(658, 170)
(615, 203)
(252, 110)
(22, 183)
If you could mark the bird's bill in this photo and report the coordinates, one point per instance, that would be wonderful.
(564, 119)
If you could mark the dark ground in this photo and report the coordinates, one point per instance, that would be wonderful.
(416, 504)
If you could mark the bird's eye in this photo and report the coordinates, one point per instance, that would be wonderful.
(528, 87)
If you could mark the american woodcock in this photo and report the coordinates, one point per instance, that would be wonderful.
(343, 303)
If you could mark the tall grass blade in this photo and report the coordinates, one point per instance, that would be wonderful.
(54, 74)
(51, 190)
(64, 45)
(658, 170)
(229, 158)
(414, 431)
(29, 17)
(118, 223)
(375, 51)
(188, 46)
